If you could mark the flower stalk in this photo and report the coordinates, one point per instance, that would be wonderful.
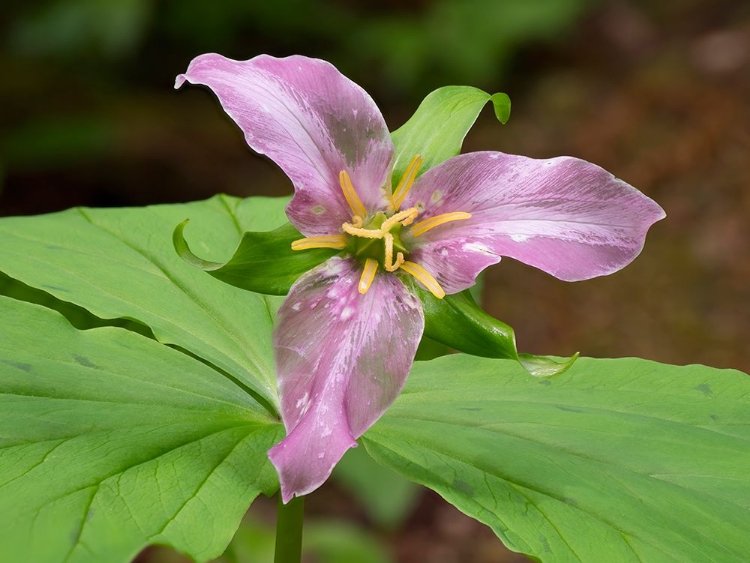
(289, 520)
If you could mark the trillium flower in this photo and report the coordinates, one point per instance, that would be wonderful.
(348, 330)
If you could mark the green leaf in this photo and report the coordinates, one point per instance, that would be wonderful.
(110, 441)
(119, 263)
(263, 262)
(457, 321)
(501, 104)
(438, 127)
(619, 460)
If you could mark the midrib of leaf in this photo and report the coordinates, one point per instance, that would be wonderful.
(231, 212)
(220, 321)
(150, 537)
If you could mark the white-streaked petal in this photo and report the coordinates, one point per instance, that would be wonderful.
(564, 215)
(313, 122)
(342, 358)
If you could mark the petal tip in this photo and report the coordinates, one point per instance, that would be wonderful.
(298, 474)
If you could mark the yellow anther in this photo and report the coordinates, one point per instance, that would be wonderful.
(322, 241)
(368, 274)
(405, 217)
(355, 204)
(407, 180)
(388, 262)
(423, 226)
(424, 277)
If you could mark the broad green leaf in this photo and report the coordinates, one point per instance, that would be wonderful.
(619, 460)
(110, 441)
(457, 321)
(120, 263)
(438, 127)
(263, 262)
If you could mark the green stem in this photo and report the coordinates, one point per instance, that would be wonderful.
(289, 530)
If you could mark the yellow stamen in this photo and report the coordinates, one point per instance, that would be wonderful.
(357, 222)
(406, 182)
(405, 217)
(423, 226)
(388, 262)
(368, 274)
(424, 277)
(322, 241)
(355, 204)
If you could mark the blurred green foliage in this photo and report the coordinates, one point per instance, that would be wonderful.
(79, 28)
(386, 496)
(67, 59)
(329, 541)
(412, 46)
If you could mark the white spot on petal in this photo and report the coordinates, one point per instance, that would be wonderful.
(346, 313)
(303, 401)
(477, 247)
(321, 455)
(436, 197)
(296, 306)
(519, 238)
(318, 210)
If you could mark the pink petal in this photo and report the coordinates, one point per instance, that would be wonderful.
(313, 122)
(563, 215)
(341, 358)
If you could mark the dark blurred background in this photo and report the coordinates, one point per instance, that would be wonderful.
(655, 91)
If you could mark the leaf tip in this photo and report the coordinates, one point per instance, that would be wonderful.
(501, 104)
(546, 366)
(184, 252)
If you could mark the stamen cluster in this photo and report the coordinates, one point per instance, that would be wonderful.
(384, 231)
